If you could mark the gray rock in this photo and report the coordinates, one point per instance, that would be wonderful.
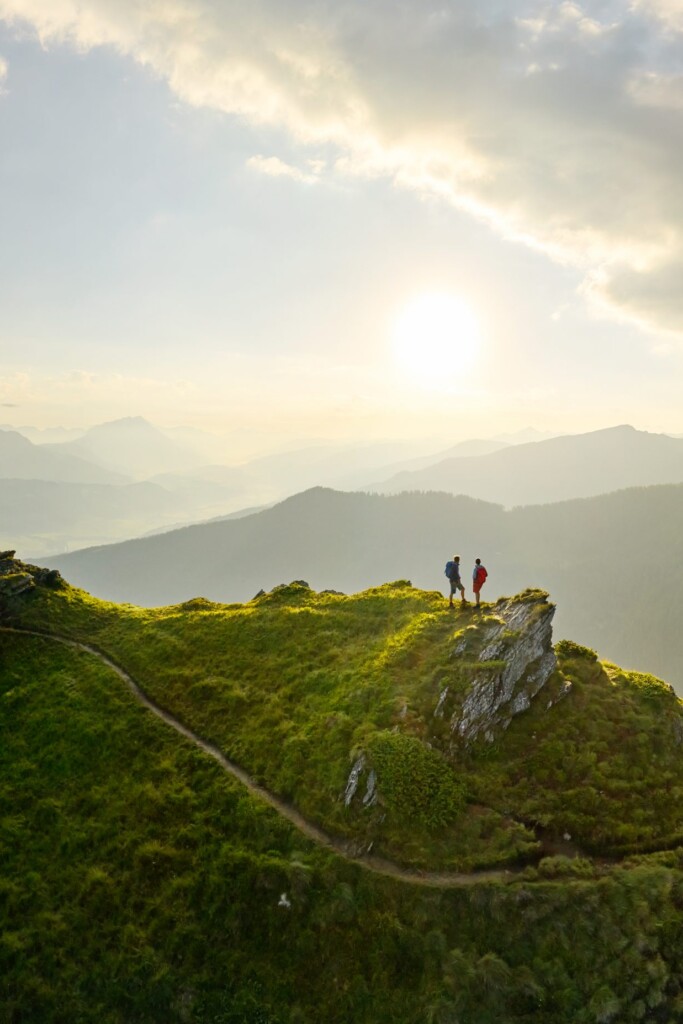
(520, 703)
(370, 798)
(353, 780)
(438, 710)
(16, 583)
(522, 640)
(564, 692)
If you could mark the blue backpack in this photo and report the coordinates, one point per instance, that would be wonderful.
(451, 570)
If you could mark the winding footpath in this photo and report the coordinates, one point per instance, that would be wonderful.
(341, 847)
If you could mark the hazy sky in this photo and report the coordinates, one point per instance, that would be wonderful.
(217, 213)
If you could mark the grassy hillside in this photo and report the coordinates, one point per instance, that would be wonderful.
(140, 883)
(611, 562)
(295, 686)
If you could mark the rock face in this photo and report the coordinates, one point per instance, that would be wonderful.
(516, 660)
(498, 664)
(16, 578)
(354, 779)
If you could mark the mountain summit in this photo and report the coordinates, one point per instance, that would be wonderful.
(131, 445)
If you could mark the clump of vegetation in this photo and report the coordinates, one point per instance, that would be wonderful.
(569, 649)
(198, 604)
(416, 784)
(530, 595)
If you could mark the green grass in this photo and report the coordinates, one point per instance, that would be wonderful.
(139, 884)
(604, 765)
(294, 686)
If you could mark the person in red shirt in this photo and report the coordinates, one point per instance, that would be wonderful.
(479, 575)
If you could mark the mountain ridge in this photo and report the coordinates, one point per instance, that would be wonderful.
(555, 469)
(586, 551)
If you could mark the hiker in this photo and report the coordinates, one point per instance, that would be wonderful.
(479, 575)
(452, 570)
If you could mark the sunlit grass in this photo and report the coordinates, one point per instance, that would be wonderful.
(140, 883)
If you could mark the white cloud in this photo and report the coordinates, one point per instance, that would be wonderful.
(15, 388)
(670, 12)
(4, 71)
(552, 122)
(273, 167)
(656, 90)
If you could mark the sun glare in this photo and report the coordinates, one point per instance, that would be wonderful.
(436, 338)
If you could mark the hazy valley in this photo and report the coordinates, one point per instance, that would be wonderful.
(97, 493)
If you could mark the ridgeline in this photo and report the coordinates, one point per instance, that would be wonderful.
(450, 817)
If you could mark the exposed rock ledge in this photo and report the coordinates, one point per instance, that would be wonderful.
(17, 578)
(517, 660)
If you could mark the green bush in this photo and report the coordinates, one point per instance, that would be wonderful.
(570, 649)
(414, 782)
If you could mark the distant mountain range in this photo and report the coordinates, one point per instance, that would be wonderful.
(131, 446)
(22, 460)
(612, 562)
(181, 489)
(574, 466)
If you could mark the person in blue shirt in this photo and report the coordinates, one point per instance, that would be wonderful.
(453, 573)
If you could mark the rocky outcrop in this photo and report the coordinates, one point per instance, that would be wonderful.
(13, 584)
(17, 578)
(354, 779)
(514, 662)
(357, 771)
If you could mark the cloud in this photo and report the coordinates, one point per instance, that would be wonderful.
(669, 12)
(273, 167)
(661, 91)
(556, 123)
(4, 71)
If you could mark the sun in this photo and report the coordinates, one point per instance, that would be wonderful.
(436, 338)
